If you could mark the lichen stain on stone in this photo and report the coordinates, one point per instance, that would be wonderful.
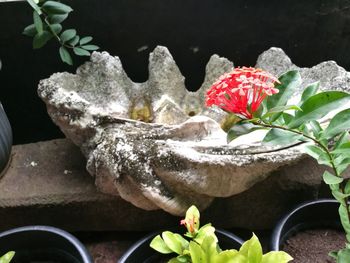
(141, 111)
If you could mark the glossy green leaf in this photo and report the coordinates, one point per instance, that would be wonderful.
(40, 40)
(287, 118)
(241, 128)
(347, 187)
(281, 137)
(344, 218)
(343, 148)
(316, 128)
(317, 153)
(7, 257)
(276, 257)
(339, 196)
(74, 41)
(290, 81)
(329, 178)
(53, 7)
(90, 47)
(209, 246)
(159, 245)
(56, 28)
(252, 250)
(35, 6)
(65, 56)
(343, 256)
(56, 19)
(37, 22)
(30, 30)
(85, 40)
(318, 106)
(81, 52)
(280, 109)
(339, 123)
(343, 138)
(204, 231)
(309, 91)
(68, 35)
(172, 242)
(192, 222)
(197, 253)
(229, 256)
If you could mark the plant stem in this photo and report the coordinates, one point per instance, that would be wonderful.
(320, 144)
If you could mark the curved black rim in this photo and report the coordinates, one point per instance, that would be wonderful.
(286, 227)
(80, 248)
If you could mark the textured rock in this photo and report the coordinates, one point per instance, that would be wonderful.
(141, 141)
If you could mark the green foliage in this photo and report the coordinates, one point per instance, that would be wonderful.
(47, 19)
(7, 257)
(330, 145)
(203, 247)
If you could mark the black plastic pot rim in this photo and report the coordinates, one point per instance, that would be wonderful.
(277, 231)
(57, 231)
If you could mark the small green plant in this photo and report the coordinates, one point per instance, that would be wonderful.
(47, 17)
(260, 100)
(200, 245)
(7, 257)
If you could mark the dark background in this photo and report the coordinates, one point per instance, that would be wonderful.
(309, 31)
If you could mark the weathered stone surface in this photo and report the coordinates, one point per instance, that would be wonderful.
(47, 183)
(141, 141)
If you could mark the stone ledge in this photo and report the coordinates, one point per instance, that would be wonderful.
(47, 183)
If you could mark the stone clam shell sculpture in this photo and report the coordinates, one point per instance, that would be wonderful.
(155, 144)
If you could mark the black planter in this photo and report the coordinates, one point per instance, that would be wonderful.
(141, 252)
(310, 215)
(43, 244)
(5, 139)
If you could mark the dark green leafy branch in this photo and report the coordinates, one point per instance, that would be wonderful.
(47, 19)
(330, 145)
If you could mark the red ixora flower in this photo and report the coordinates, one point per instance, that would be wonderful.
(242, 91)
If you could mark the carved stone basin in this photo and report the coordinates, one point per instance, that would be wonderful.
(156, 144)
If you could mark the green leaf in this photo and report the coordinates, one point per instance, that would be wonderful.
(191, 221)
(347, 188)
(57, 28)
(34, 6)
(344, 218)
(339, 195)
(318, 106)
(209, 246)
(342, 148)
(197, 253)
(159, 245)
(310, 91)
(290, 81)
(229, 256)
(281, 137)
(276, 257)
(38, 23)
(65, 56)
(90, 47)
(40, 40)
(287, 118)
(317, 153)
(329, 178)
(68, 35)
(316, 128)
(56, 19)
(241, 128)
(333, 254)
(252, 250)
(7, 257)
(172, 242)
(343, 138)
(53, 7)
(339, 123)
(30, 30)
(343, 256)
(81, 52)
(74, 41)
(279, 109)
(203, 232)
(85, 40)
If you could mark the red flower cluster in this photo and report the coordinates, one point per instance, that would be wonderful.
(242, 91)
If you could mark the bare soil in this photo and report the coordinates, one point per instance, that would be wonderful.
(312, 246)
